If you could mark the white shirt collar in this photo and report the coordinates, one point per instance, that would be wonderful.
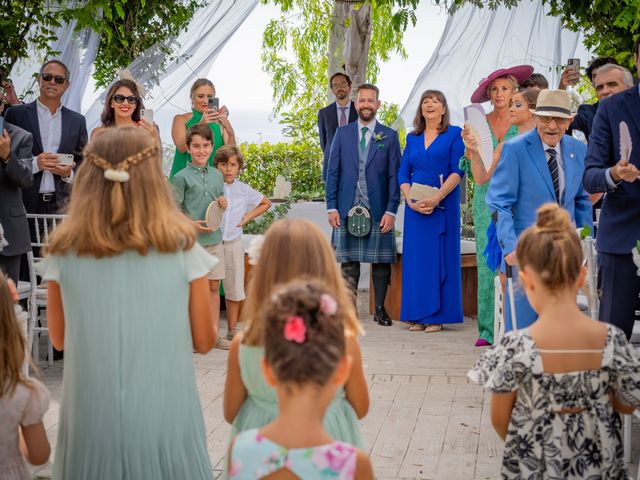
(371, 126)
(547, 147)
(42, 106)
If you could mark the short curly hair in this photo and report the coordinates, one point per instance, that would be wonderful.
(315, 359)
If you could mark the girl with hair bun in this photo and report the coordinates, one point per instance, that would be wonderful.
(558, 385)
(305, 361)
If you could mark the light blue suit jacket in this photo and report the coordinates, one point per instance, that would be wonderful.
(522, 183)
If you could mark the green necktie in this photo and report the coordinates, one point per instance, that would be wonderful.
(363, 139)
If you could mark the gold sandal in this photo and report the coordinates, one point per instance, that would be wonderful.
(433, 328)
(416, 327)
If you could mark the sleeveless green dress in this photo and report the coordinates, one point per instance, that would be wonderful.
(481, 220)
(181, 159)
(261, 405)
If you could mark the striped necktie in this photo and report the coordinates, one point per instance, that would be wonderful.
(552, 163)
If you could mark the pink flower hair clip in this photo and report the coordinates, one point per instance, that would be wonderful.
(295, 330)
(328, 304)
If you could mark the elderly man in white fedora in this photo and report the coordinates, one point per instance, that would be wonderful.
(543, 165)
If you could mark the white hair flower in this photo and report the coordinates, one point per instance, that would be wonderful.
(328, 304)
(116, 175)
(255, 246)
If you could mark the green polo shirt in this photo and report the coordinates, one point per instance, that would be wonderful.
(194, 189)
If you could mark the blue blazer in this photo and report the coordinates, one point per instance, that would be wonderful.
(327, 126)
(73, 140)
(382, 166)
(522, 183)
(619, 228)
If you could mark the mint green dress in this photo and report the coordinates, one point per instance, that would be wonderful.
(481, 220)
(180, 159)
(130, 408)
(261, 405)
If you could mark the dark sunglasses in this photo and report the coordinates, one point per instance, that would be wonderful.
(119, 98)
(59, 79)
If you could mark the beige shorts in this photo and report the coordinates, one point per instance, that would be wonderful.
(233, 283)
(217, 271)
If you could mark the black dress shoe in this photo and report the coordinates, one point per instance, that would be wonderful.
(57, 355)
(381, 317)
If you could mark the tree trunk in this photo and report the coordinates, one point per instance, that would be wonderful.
(349, 41)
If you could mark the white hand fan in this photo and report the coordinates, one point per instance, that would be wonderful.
(214, 215)
(625, 142)
(476, 120)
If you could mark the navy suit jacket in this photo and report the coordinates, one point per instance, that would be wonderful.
(327, 126)
(619, 225)
(381, 171)
(522, 183)
(73, 140)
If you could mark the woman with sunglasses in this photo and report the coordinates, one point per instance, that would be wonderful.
(122, 108)
(216, 118)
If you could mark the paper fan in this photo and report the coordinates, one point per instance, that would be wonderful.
(625, 142)
(214, 215)
(476, 120)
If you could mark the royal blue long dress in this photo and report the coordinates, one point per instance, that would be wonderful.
(431, 276)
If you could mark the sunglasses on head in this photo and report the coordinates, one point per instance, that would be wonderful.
(59, 79)
(119, 98)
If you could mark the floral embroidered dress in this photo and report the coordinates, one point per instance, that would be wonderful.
(254, 456)
(543, 444)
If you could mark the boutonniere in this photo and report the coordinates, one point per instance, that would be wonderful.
(377, 138)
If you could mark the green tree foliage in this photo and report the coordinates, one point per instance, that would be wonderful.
(26, 26)
(295, 55)
(129, 27)
(609, 26)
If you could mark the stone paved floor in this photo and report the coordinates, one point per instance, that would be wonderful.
(426, 420)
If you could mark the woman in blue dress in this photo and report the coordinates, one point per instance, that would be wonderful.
(431, 276)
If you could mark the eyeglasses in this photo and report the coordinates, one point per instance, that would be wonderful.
(59, 79)
(339, 85)
(119, 98)
(558, 120)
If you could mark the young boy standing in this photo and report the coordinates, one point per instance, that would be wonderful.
(244, 204)
(195, 187)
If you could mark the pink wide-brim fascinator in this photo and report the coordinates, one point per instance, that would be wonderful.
(519, 72)
(328, 304)
(295, 329)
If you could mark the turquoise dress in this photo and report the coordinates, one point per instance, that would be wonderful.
(130, 408)
(261, 405)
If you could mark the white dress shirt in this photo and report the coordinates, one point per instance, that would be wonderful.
(241, 199)
(562, 182)
(50, 126)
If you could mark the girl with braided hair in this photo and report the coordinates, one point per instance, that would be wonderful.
(128, 301)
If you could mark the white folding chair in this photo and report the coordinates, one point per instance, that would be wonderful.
(498, 317)
(43, 224)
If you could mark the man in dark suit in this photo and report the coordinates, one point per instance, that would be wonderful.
(15, 174)
(363, 166)
(338, 114)
(56, 130)
(606, 170)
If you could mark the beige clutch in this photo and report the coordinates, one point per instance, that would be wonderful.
(214, 215)
(420, 192)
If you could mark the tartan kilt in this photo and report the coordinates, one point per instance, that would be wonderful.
(374, 248)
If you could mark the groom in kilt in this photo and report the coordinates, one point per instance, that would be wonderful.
(361, 187)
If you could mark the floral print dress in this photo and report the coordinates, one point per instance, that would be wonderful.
(544, 444)
(254, 456)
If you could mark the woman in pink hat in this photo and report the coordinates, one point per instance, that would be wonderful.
(499, 88)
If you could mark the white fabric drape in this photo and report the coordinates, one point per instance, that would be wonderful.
(195, 50)
(477, 41)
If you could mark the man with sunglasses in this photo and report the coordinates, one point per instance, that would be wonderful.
(56, 130)
(338, 114)
(540, 166)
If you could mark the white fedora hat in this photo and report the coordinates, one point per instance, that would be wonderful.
(553, 103)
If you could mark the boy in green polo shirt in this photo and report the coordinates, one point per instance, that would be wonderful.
(194, 188)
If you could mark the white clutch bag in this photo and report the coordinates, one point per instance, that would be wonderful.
(214, 215)
(420, 192)
(476, 120)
